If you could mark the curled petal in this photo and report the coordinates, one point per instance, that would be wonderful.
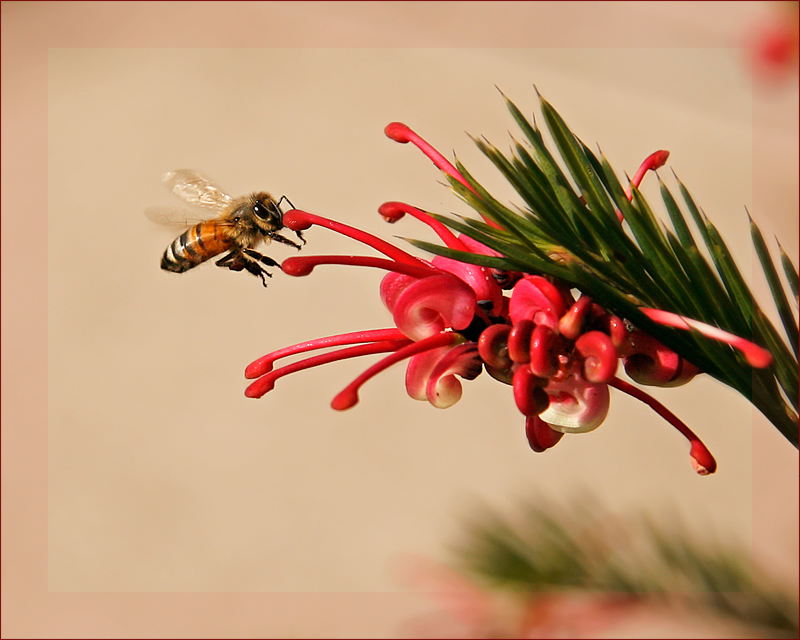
(616, 329)
(540, 435)
(576, 406)
(571, 323)
(599, 356)
(502, 374)
(519, 341)
(392, 285)
(650, 362)
(443, 388)
(530, 397)
(533, 299)
(431, 305)
(419, 369)
(614, 326)
(478, 278)
(555, 294)
(544, 360)
(493, 346)
(654, 161)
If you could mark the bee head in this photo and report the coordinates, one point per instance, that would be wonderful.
(268, 214)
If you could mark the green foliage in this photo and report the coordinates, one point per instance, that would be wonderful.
(567, 227)
(580, 548)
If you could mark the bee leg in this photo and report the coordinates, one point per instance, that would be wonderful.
(237, 261)
(226, 261)
(261, 258)
(254, 268)
(279, 238)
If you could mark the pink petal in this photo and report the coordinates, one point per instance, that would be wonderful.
(544, 357)
(529, 396)
(571, 323)
(530, 301)
(576, 406)
(443, 388)
(493, 346)
(431, 305)
(478, 278)
(540, 435)
(519, 341)
(650, 362)
(392, 285)
(599, 356)
(419, 369)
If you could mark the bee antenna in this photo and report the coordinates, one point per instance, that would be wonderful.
(287, 200)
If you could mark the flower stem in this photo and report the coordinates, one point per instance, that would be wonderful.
(702, 460)
(756, 356)
(399, 132)
(393, 211)
(264, 364)
(303, 265)
(267, 382)
(298, 220)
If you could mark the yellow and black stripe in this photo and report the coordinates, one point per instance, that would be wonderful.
(194, 246)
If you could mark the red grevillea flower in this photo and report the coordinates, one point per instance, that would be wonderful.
(452, 320)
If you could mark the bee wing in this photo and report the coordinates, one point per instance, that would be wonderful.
(173, 217)
(195, 189)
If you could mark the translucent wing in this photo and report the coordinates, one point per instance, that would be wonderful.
(195, 189)
(173, 217)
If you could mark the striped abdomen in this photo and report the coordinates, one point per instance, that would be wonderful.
(195, 245)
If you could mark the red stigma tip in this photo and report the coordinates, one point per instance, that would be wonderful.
(296, 220)
(391, 211)
(346, 399)
(297, 266)
(261, 386)
(397, 131)
(659, 159)
(702, 460)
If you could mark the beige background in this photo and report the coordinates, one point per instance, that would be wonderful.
(139, 466)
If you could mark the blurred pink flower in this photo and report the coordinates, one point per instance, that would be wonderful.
(773, 47)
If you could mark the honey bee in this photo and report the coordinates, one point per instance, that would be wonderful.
(239, 225)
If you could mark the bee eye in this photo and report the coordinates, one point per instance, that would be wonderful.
(260, 211)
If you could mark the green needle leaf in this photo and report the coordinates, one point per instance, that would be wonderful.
(568, 227)
(778, 294)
